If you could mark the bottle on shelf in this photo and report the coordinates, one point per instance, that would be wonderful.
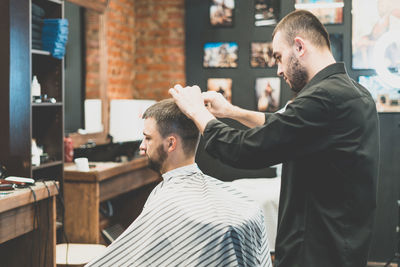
(35, 153)
(35, 90)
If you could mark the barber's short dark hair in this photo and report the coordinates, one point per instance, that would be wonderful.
(171, 120)
(303, 23)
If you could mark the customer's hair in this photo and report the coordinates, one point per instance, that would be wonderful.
(303, 23)
(171, 120)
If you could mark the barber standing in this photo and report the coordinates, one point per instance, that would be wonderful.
(327, 138)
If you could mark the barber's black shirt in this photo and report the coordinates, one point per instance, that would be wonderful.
(328, 140)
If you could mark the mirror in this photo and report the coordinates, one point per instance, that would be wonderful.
(83, 70)
(74, 67)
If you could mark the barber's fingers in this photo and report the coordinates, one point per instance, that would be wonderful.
(209, 95)
(196, 87)
(178, 87)
(175, 91)
(188, 90)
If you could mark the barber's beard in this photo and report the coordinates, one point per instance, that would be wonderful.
(156, 162)
(296, 74)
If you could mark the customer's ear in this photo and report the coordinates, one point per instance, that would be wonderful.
(171, 143)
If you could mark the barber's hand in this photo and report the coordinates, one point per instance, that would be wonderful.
(191, 103)
(188, 99)
(217, 104)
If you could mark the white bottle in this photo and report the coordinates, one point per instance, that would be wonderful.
(35, 89)
(35, 154)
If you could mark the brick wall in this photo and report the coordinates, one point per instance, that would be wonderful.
(92, 54)
(145, 48)
(120, 40)
(160, 41)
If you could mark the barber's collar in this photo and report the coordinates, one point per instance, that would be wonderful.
(187, 170)
(332, 69)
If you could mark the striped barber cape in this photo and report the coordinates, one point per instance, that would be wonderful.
(191, 219)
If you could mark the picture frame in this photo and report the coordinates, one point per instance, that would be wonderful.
(221, 85)
(374, 26)
(261, 55)
(220, 55)
(222, 13)
(328, 12)
(387, 98)
(266, 12)
(268, 93)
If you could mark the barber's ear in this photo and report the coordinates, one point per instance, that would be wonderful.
(299, 45)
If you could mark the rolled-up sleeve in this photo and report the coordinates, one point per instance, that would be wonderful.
(301, 129)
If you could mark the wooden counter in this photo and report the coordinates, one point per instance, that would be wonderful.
(84, 191)
(23, 243)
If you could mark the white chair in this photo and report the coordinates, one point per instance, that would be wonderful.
(265, 191)
(75, 255)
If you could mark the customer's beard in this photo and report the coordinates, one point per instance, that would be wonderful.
(156, 163)
(297, 74)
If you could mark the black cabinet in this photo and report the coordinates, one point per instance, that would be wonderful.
(21, 120)
(384, 241)
(15, 99)
(47, 121)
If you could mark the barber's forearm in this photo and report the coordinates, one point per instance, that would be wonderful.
(201, 118)
(247, 117)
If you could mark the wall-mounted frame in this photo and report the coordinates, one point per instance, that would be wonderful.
(337, 46)
(221, 85)
(372, 21)
(261, 55)
(328, 12)
(268, 92)
(266, 12)
(220, 55)
(387, 98)
(222, 13)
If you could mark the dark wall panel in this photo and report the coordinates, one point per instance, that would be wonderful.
(74, 71)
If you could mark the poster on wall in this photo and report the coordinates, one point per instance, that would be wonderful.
(261, 55)
(266, 12)
(376, 35)
(268, 91)
(220, 55)
(387, 98)
(337, 46)
(327, 11)
(221, 85)
(221, 12)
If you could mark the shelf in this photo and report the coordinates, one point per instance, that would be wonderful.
(58, 104)
(56, 1)
(40, 52)
(47, 164)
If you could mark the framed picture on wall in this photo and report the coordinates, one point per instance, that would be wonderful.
(221, 85)
(221, 12)
(337, 45)
(220, 55)
(376, 36)
(387, 98)
(328, 12)
(266, 12)
(261, 55)
(268, 92)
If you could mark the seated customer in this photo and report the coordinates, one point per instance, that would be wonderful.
(189, 219)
